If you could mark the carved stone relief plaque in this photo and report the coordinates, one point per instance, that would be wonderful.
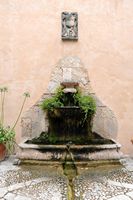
(69, 25)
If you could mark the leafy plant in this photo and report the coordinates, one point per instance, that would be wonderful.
(54, 102)
(7, 137)
(7, 133)
(86, 103)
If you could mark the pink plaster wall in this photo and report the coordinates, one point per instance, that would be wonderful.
(31, 45)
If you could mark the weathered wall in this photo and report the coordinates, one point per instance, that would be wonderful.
(31, 45)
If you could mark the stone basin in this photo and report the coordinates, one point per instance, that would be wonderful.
(81, 153)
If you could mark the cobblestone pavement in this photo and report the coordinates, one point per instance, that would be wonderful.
(36, 182)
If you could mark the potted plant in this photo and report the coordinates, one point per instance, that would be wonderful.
(7, 133)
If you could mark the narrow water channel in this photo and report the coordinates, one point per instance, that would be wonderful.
(70, 171)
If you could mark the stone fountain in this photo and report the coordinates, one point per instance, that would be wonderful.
(85, 144)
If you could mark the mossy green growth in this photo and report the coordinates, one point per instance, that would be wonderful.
(86, 103)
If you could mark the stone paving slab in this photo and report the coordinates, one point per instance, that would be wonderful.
(36, 182)
(130, 194)
(128, 163)
(124, 185)
(120, 197)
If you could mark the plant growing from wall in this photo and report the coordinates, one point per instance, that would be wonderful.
(7, 133)
(87, 104)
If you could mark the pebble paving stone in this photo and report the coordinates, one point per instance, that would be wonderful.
(36, 182)
(102, 183)
(32, 182)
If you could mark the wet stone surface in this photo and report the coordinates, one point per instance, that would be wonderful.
(37, 182)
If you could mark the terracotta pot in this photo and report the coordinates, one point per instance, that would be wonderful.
(2, 152)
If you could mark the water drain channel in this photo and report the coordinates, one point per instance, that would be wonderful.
(70, 171)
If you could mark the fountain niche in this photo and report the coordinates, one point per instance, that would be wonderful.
(68, 123)
(47, 135)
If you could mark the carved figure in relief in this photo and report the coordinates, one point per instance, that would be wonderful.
(69, 25)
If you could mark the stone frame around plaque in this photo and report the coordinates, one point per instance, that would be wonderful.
(69, 22)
